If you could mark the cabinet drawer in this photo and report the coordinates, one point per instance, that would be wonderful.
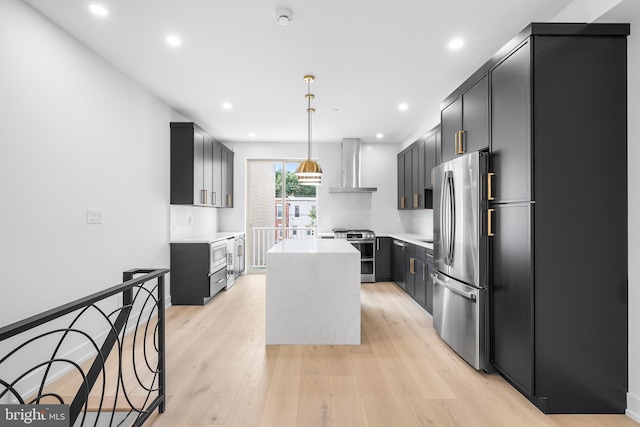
(217, 281)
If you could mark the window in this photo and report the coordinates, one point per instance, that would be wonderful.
(279, 210)
(297, 211)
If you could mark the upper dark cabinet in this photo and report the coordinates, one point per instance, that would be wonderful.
(227, 183)
(430, 157)
(201, 168)
(414, 172)
(511, 149)
(465, 120)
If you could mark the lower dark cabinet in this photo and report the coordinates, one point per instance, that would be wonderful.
(191, 283)
(383, 259)
(429, 282)
(424, 282)
(397, 262)
(512, 294)
(409, 269)
(423, 266)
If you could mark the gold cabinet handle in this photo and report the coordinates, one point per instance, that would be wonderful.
(460, 142)
(213, 196)
(203, 197)
(490, 186)
(424, 269)
(490, 222)
(416, 198)
(402, 202)
(412, 265)
(229, 200)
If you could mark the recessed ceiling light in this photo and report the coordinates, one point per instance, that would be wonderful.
(99, 10)
(227, 106)
(403, 107)
(252, 134)
(456, 44)
(173, 40)
(379, 135)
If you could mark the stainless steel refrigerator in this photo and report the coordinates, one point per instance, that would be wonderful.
(460, 295)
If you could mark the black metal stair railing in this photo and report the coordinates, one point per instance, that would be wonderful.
(126, 370)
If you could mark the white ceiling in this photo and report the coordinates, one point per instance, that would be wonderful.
(367, 56)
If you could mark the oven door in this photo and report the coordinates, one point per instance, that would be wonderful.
(367, 259)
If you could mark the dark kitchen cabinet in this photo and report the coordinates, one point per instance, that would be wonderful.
(229, 181)
(414, 172)
(419, 253)
(558, 159)
(408, 180)
(430, 157)
(417, 175)
(428, 280)
(465, 120)
(383, 259)
(200, 168)
(511, 149)
(216, 177)
(410, 269)
(402, 197)
(191, 283)
(420, 268)
(424, 282)
(405, 179)
(397, 262)
(190, 160)
(512, 293)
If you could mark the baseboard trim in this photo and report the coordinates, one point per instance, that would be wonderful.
(633, 407)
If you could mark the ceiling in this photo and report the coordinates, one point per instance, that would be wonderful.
(367, 56)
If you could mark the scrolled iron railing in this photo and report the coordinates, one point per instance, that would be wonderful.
(129, 382)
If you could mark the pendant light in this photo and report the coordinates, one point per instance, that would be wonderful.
(309, 172)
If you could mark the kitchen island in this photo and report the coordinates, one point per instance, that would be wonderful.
(313, 293)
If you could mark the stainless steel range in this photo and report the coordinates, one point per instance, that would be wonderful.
(364, 241)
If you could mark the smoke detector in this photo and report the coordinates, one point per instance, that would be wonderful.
(284, 17)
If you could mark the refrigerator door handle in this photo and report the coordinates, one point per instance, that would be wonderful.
(468, 295)
(448, 218)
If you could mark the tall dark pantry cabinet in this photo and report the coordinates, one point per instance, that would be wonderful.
(558, 125)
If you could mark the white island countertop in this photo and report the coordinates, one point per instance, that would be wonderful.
(313, 293)
(316, 246)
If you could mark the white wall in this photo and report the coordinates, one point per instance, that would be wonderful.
(376, 210)
(633, 398)
(75, 134)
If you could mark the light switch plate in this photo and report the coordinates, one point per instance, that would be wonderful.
(94, 216)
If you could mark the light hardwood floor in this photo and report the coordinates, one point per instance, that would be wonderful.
(220, 373)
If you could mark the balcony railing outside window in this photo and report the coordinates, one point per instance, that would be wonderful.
(264, 238)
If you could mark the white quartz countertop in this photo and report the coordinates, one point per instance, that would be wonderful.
(208, 238)
(415, 239)
(312, 246)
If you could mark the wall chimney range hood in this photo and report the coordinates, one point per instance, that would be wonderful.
(350, 182)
